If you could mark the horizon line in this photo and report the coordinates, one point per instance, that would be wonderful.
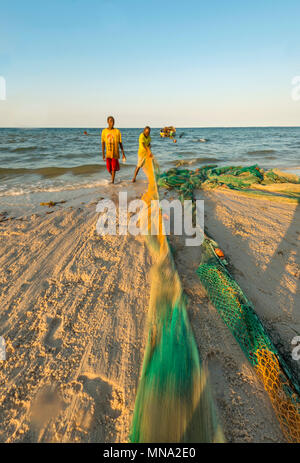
(158, 127)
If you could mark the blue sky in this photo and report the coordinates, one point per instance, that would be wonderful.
(193, 63)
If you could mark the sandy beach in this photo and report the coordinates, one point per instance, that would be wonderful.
(74, 317)
(115, 336)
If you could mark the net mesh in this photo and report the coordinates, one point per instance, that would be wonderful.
(237, 313)
(226, 295)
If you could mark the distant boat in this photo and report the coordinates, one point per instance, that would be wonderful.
(168, 132)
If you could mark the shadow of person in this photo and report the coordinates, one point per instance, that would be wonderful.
(286, 279)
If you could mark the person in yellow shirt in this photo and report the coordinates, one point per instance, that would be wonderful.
(111, 140)
(144, 150)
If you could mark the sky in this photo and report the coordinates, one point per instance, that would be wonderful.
(195, 63)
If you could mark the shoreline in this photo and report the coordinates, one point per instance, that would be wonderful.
(27, 204)
(28, 201)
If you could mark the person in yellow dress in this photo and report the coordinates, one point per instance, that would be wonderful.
(111, 141)
(144, 150)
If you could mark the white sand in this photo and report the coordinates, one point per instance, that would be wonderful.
(73, 315)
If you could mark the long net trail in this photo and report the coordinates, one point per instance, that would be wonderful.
(173, 401)
(228, 298)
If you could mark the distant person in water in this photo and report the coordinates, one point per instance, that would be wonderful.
(144, 150)
(111, 141)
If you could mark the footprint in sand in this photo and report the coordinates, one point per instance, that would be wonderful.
(50, 339)
(106, 405)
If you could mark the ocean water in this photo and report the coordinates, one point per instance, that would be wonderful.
(52, 160)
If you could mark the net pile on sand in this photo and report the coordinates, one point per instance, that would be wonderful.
(251, 180)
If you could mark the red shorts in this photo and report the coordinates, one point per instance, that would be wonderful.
(112, 164)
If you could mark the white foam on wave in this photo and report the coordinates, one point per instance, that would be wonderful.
(42, 188)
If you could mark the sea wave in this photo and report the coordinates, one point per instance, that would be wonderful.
(24, 149)
(42, 188)
(260, 152)
(47, 172)
(186, 162)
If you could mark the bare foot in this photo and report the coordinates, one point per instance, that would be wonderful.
(133, 180)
